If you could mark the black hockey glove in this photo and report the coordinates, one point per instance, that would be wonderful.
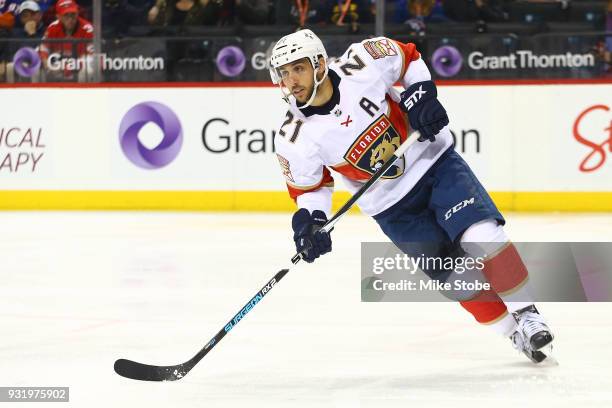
(425, 113)
(308, 236)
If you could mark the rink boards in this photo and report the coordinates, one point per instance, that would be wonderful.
(535, 146)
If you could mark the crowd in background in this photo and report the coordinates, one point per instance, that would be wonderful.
(43, 20)
(28, 18)
(121, 14)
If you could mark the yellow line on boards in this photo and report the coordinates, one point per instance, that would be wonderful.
(263, 200)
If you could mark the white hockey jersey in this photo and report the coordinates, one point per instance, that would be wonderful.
(358, 130)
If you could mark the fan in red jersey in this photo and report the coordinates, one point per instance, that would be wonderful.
(65, 59)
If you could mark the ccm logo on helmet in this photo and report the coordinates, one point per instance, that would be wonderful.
(414, 98)
(458, 207)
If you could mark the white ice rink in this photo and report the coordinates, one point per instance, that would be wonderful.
(79, 290)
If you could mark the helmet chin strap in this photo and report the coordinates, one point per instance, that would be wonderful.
(316, 86)
(287, 94)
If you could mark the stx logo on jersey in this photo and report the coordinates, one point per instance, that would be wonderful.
(374, 147)
(414, 98)
(380, 49)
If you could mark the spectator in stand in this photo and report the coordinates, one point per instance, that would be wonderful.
(76, 30)
(47, 8)
(7, 21)
(253, 11)
(429, 11)
(350, 13)
(338, 12)
(185, 12)
(7, 17)
(475, 10)
(30, 18)
(305, 12)
(29, 27)
(121, 14)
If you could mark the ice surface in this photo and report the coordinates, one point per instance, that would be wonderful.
(79, 290)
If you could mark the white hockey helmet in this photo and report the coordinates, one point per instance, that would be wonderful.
(293, 47)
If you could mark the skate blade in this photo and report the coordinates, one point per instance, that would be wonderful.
(549, 360)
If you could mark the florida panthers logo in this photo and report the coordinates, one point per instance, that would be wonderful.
(383, 151)
(374, 147)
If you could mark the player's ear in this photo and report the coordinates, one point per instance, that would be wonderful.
(322, 64)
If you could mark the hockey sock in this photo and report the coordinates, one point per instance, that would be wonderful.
(488, 309)
(508, 276)
(503, 267)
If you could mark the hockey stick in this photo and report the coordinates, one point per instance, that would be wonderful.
(145, 372)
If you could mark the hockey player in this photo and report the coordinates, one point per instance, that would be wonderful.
(347, 117)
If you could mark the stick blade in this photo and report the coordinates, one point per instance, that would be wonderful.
(144, 372)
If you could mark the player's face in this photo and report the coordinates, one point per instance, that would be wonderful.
(298, 79)
(69, 21)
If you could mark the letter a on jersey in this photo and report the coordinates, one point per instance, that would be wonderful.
(374, 147)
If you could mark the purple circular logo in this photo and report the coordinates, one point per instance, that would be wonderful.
(26, 62)
(168, 122)
(447, 61)
(231, 61)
